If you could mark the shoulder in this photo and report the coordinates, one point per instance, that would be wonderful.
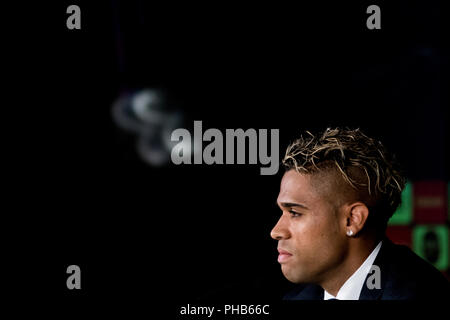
(411, 277)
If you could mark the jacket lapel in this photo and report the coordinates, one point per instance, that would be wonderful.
(305, 292)
(382, 262)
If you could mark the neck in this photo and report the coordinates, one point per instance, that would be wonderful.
(358, 250)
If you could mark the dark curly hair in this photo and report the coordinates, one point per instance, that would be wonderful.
(363, 163)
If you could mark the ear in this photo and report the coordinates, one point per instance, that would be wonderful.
(356, 218)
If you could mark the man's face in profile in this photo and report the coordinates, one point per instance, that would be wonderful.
(311, 230)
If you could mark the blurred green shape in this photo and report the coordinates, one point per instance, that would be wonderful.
(431, 243)
(403, 214)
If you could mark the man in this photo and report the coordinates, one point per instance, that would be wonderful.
(338, 192)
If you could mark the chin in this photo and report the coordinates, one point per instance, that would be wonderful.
(294, 277)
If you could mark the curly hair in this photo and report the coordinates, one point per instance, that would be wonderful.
(363, 163)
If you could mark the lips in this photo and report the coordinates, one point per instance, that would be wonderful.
(283, 255)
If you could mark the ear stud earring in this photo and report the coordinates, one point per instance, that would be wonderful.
(349, 233)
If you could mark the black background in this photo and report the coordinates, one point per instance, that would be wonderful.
(80, 193)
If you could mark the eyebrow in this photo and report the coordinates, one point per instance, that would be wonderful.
(292, 204)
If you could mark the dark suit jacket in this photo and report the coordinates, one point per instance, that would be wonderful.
(404, 276)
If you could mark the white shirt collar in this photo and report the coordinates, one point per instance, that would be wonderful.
(351, 289)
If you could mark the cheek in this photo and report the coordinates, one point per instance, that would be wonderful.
(318, 247)
(312, 227)
(316, 237)
(308, 235)
(329, 233)
(330, 242)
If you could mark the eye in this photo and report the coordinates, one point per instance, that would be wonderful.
(295, 214)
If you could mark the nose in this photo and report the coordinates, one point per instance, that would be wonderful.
(280, 231)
